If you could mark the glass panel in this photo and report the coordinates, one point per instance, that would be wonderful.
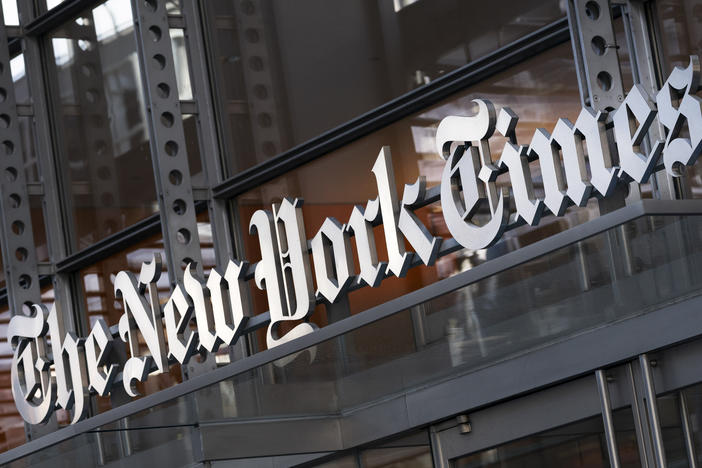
(180, 59)
(539, 90)
(580, 444)
(289, 71)
(398, 457)
(343, 462)
(9, 11)
(671, 430)
(102, 448)
(19, 79)
(670, 409)
(102, 122)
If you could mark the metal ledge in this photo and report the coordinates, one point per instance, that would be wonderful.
(682, 331)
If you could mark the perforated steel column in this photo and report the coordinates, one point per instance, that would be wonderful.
(169, 155)
(17, 239)
(18, 251)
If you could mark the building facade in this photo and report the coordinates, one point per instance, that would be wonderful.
(332, 233)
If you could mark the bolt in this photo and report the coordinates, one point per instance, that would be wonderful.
(620, 98)
(595, 98)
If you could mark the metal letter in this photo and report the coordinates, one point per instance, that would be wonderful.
(195, 288)
(677, 104)
(333, 260)
(69, 363)
(462, 172)
(135, 318)
(398, 259)
(33, 388)
(514, 158)
(98, 346)
(182, 341)
(590, 126)
(636, 107)
(229, 319)
(425, 245)
(361, 223)
(268, 271)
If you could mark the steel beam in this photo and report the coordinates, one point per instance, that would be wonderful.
(168, 149)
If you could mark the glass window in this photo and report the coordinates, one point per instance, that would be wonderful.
(540, 90)
(680, 22)
(102, 122)
(289, 71)
(580, 444)
(19, 79)
(9, 11)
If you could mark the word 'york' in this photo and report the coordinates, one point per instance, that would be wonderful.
(468, 186)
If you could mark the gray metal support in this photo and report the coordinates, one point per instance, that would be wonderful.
(652, 408)
(23, 234)
(169, 154)
(18, 251)
(641, 439)
(596, 57)
(687, 430)
(606, 404)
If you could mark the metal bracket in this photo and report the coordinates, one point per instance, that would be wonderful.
(596, 57)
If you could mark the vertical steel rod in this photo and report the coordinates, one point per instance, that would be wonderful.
(638, 425)
(687, 430)
(607, 419)
(653, 420)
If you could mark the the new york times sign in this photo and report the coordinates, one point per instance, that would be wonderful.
(65, 374)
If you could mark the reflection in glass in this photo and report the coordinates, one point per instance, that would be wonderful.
(102, 122)
(289, 71)
(540, 90)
